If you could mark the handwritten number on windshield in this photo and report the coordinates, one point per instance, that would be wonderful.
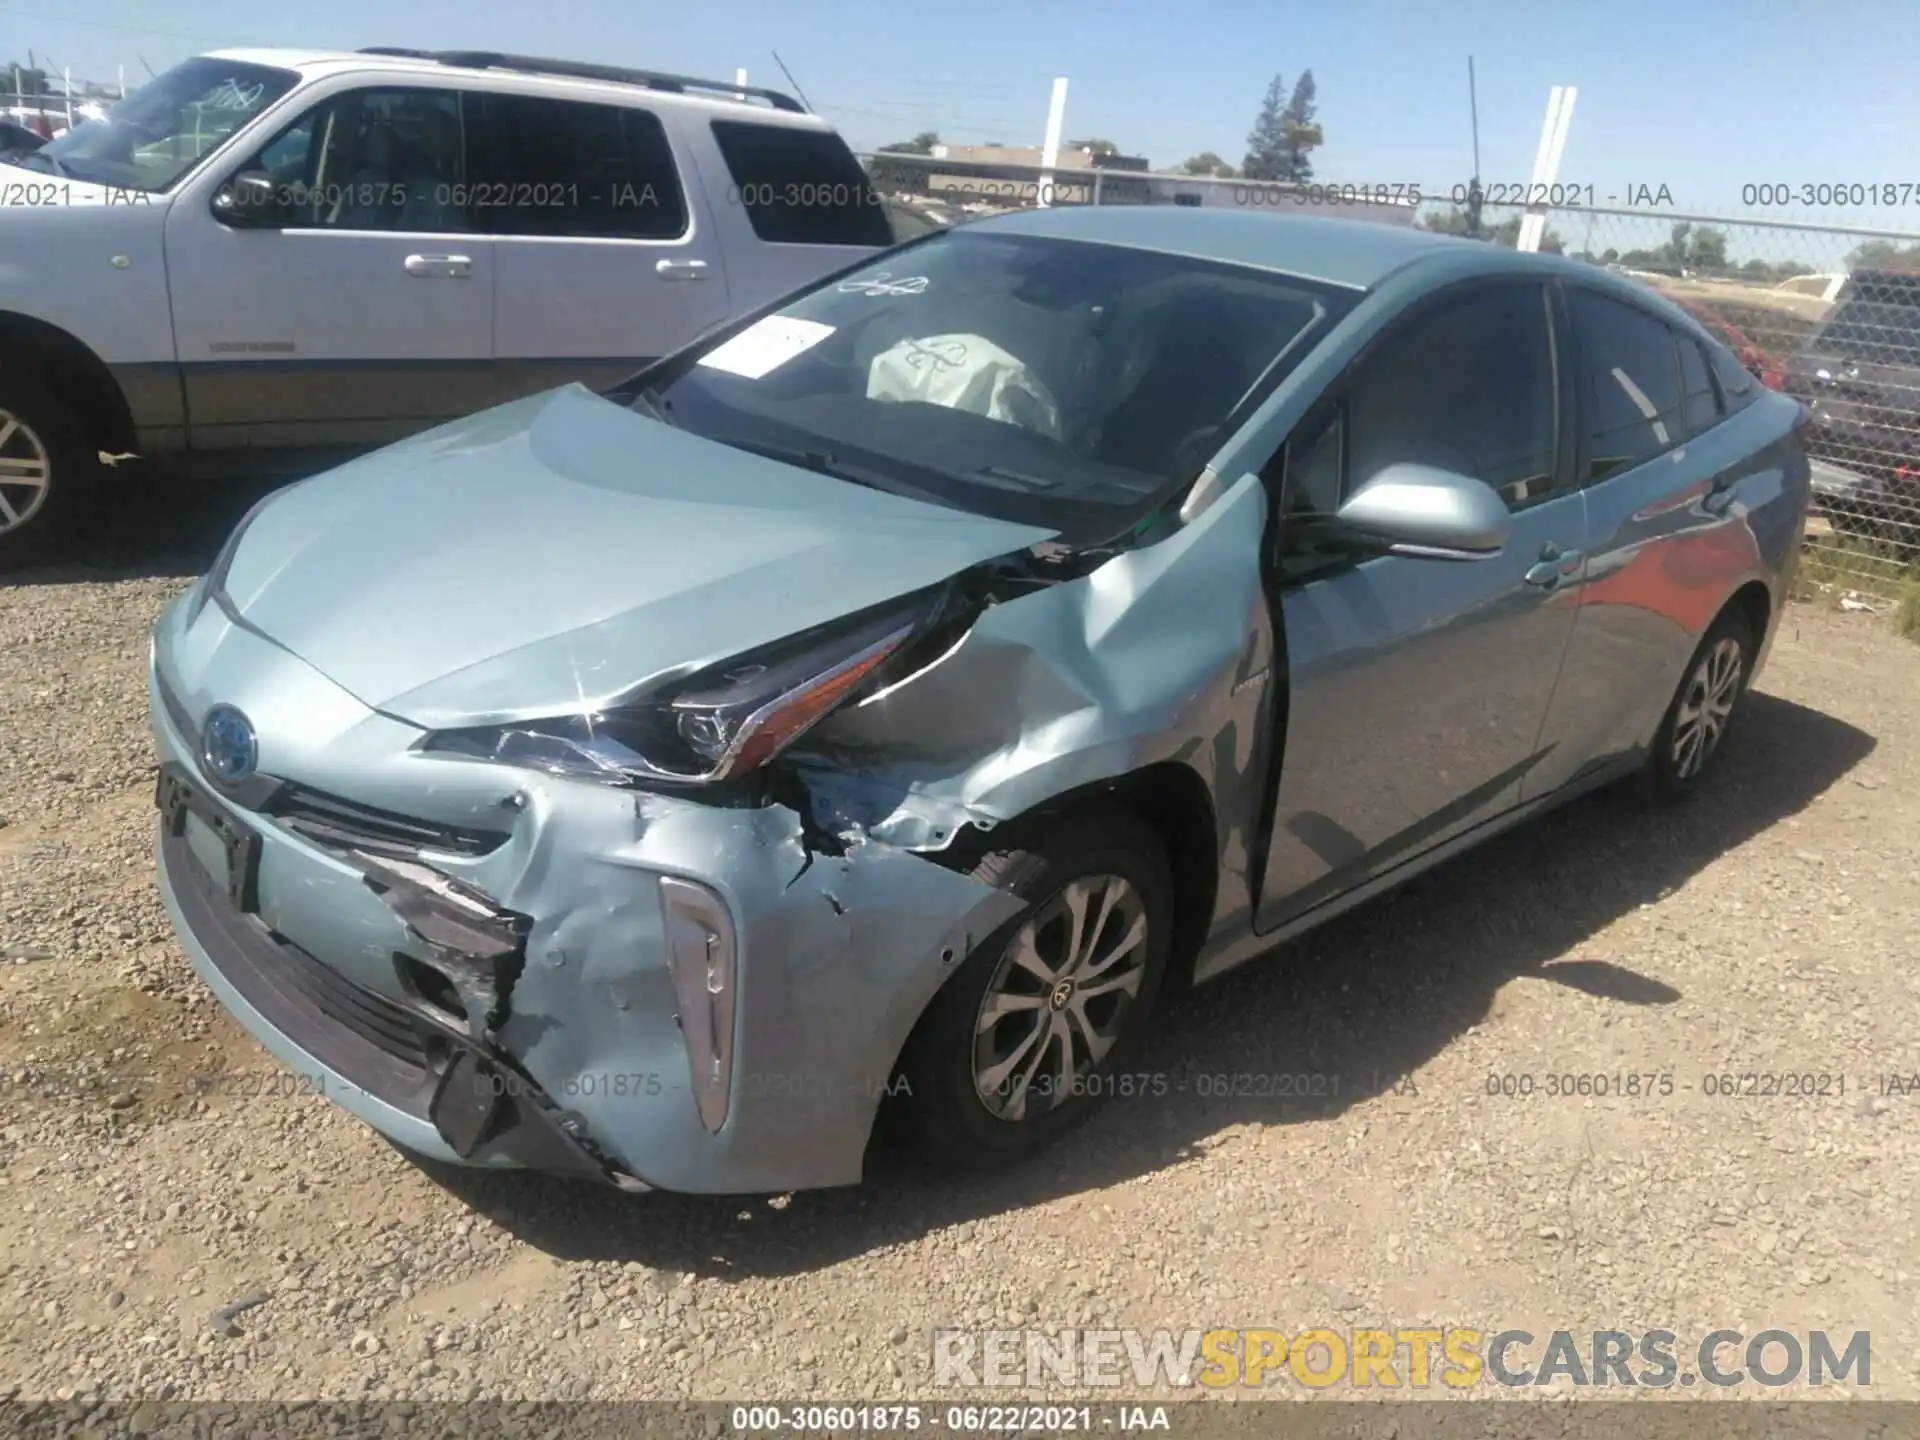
(884, 284)
(231, 95)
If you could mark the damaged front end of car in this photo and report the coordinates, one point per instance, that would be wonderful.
(678, 938)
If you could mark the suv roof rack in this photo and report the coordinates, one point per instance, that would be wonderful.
(578, 70)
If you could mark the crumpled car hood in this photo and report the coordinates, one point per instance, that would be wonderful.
(548, 555)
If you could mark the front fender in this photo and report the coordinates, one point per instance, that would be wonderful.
(96, 272)
(1162, 653)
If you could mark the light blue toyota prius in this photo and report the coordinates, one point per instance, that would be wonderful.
(876, 708)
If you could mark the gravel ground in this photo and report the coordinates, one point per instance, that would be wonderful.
(154, 1170)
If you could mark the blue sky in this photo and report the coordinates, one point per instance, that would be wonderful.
(1701, 97)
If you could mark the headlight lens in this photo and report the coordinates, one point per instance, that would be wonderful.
(718, 723)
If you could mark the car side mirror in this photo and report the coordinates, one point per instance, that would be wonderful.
(1424, 511)
(249, 200)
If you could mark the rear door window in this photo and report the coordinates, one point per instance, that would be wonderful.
(569, 168)
(1632, 392)
(800, 186)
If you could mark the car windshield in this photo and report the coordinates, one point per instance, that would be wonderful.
(1877, 321)
(1050, 382)
(162, 130)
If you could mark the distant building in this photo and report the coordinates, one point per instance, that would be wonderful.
(1033, 155)
(993, 177)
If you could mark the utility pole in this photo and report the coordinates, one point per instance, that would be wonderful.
(1546, 163)
(1475, 195)
(1050, 150)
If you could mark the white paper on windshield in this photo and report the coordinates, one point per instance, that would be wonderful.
(765, 346)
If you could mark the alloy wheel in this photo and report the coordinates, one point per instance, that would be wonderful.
(25, 472)
(1060, 997)
(1706, 706)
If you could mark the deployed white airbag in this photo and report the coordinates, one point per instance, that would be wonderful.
(964, 372)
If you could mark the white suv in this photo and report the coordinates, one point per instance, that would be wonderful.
(264, 258)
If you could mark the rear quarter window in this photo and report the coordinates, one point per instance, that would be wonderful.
(1737, 383)
(800, 186)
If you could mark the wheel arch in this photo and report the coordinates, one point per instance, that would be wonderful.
(1755, 601)
(67, 366)
(1172, 800)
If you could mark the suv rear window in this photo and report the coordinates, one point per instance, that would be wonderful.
(1877, 320)
(800, 187)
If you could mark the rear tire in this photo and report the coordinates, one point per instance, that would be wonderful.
(49, 472)
(1693, 734)
(1041, 1019)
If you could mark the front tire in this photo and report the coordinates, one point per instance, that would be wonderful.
(1693, 734)
(48, 471)
(1040, 1020)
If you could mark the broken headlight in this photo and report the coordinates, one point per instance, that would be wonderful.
(716, 723)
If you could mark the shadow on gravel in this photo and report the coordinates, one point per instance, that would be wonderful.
(1368, 999)
(157, 526)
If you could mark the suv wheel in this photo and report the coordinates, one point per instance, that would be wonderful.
(1039, 1021)
(46, 470)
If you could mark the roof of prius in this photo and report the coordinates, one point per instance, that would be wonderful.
(719, 96)
(1358, 254)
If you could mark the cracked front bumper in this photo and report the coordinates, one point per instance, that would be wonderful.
(584, 1066)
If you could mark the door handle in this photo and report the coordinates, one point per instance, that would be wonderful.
(681, 269)
(1554, 566)
(1720, 496)
(447, 267)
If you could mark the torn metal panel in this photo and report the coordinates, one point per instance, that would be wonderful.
(837, 955)
(1164, 653)
(479, 949)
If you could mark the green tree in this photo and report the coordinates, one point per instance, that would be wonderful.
(1267, 142)
(1300, 132)
(1283, 132)
(921, 144)
(1674, 253)
(1884, 255)
(1096, 146)
(1206, 163)
(1708, 252)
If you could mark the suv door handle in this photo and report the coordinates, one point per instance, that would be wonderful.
(1719, 496)
(451, 267)
(448, 267)
(1554, 566)
(681, 269)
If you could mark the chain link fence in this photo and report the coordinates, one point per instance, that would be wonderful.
(1827, 314)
